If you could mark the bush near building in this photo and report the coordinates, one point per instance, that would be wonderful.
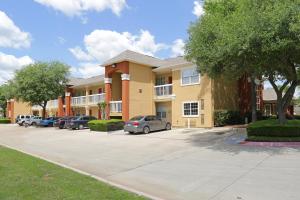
(272, 131)
(5, 121)
(106, 125)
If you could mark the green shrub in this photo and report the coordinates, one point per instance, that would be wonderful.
(227, 117)
(106, 125)
(5, 121)
(271, 128)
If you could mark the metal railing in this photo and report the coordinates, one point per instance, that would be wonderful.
(96, 98)
(163, 90)
(116, 106)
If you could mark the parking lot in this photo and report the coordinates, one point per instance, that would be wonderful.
(176, 164)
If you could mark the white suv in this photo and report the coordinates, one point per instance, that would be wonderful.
(22, 118)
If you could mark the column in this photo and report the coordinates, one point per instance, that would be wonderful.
(108, 82)
(87, 110)
(125, 96)
(60, 111)
(68, 103)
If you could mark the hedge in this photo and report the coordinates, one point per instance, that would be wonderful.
(271, 128)
(5, 121)
(106, 125)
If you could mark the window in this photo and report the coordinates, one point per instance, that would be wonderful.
(191, 109)
(190, 76)
(160, 80)
(161, 115)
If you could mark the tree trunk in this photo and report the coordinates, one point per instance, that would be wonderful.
(253, 99)
(44, 109)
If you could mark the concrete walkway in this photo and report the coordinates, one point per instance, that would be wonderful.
(178, 164)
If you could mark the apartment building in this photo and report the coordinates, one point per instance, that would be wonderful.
(136, 84)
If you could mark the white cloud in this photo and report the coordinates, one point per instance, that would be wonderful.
(178, 48)
(79, 7)
(105, 44)
(61, 40)
(11, 35)
(80, 55)
(10, 63)
(86, 70)
(198, 8)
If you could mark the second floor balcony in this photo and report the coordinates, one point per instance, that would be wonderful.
(93, 99)
(163, 91)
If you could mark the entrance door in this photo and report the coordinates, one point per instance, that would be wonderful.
(268, 110)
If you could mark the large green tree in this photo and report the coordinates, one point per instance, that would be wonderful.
(254, 37)
(40, 82)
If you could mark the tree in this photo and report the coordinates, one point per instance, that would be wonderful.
(102, 107)
(6, 93)
(254, 37)
(40, 82)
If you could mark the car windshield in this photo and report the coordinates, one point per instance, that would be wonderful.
(137, 118)
(49, 118)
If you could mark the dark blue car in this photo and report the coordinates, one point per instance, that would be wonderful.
(48, 122)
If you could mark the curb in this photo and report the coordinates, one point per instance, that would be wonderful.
(123, 187)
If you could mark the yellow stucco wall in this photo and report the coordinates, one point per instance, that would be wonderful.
(141, 89)
(192, 93)
(21, 108)
(225, 94)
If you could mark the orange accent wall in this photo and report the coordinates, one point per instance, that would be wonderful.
(60, 111)
(125, 100)
(107, 98)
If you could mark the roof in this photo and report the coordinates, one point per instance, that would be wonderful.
(269, 94)
(171, 63)
(135, 57)
(76, 82)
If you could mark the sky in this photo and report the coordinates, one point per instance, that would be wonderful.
(85, 33)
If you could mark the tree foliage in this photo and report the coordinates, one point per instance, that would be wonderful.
(261, 38)
(40, 82)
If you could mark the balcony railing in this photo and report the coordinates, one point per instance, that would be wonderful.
(52, 104)
(76, 101)
(96, 98)
(163, 90)
(116, 106)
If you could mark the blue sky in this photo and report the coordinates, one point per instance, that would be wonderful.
(83, 35)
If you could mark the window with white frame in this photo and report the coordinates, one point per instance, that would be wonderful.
(191, 109)
(190, 76)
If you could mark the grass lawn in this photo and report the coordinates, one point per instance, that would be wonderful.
(23, 177)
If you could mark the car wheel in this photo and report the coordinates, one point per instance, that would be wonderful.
(80, 127)
(130, 132)
(33, 124)
(168, 126)
(22, 124)
(146, 130)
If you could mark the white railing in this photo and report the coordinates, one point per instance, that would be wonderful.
(96, 98)
(116, 106)
(78, 100)
(163, 90)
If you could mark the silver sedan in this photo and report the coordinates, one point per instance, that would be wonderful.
(146, 124)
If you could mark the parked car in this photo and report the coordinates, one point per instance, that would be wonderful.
(48, 121)
(146, 124)
(61, 123)
(33, 121)
(21, 119)
(80, 122)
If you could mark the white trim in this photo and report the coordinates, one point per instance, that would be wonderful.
(108, 80)
(68, 94)
(189, 84)
(125, 77)
(190, 116)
